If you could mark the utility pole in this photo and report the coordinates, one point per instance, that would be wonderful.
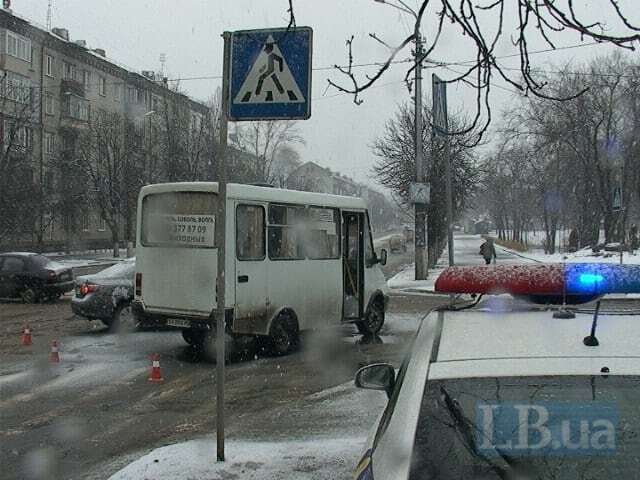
(420, 209)
(449, 193)
(220, 243)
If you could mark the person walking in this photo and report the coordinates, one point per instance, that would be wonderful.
(488, 251)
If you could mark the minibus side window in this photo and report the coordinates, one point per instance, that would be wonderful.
(250, 232)
(286, 232)
(369, 252)
(322, 235)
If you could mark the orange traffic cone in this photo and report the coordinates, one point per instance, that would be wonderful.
(54, 356)
(26, 336)
(156, 375)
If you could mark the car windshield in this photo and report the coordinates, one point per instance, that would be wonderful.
(573, 427)
(125, 269)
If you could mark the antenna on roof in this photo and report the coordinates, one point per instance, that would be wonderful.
(591, 340)
(49, 8)
(163, 59)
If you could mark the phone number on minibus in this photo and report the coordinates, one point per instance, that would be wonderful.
(192, 230)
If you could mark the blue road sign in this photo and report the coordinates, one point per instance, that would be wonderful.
(270, 74)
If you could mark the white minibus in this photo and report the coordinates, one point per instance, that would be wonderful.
(294, 261)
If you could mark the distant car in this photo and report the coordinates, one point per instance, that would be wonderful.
(397, 243)
(503, 395)
(33, 277)
(107, 295)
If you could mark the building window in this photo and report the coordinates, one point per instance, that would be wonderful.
(250, 232)
(102, 225)
(49, 181)
(140, 95)
(102, 86)
(85, 222)
(132, 95)
(49, 143)
(77, 107)
(49, 106)
(86, 80)
(117, 92)
(18, 46)
(49, 66)
(286, 224)
(68, 71)
(16, 87)
(155, 103)
(16, 136)
(48, 219)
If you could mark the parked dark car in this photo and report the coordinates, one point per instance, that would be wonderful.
(107, 295)
(33, 277)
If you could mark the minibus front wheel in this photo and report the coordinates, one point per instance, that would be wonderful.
(283, 334)
(373, 318)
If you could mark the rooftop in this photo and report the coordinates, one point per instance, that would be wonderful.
(501, 343)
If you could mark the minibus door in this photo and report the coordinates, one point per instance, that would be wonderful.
(353, 265)
(251, 298)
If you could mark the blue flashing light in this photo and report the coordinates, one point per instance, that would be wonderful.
(601, 278)
(590, 280)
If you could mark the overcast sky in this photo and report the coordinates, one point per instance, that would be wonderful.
(339, 133)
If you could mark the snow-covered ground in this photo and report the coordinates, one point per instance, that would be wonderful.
(343, 414)
(297, 459)
(467, 253)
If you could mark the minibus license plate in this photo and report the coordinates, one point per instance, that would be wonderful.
(178, 322)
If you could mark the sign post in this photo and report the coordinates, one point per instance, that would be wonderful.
(266, 76)
(441, 128)
(617, 206)
(220, 243)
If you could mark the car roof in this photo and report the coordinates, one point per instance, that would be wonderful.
(531, 342)
(18, 254)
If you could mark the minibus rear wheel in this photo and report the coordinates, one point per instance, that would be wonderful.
(193, 336)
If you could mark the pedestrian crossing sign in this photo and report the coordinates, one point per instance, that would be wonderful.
(270, 74)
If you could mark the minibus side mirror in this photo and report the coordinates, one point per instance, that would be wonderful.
(377, 376)
(383, 257)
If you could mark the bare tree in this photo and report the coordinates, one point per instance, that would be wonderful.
(22, 197)
(107, 153)
(396, 166)
(264, 141)
(486, 26)
(584, 148)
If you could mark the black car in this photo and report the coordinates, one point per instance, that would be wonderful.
(106, 295)
(33, 277)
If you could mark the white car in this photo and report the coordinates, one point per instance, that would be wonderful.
(518, 394)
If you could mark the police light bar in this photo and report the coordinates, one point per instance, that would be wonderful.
(543, 279)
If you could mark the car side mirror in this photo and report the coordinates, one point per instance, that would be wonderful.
(377, 376)
(383, 256)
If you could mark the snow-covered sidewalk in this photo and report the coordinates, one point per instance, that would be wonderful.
(467, 252)
(341, 418)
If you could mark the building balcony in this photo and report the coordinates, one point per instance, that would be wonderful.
(71, 86)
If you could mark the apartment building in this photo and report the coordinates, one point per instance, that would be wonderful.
(63, 81)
